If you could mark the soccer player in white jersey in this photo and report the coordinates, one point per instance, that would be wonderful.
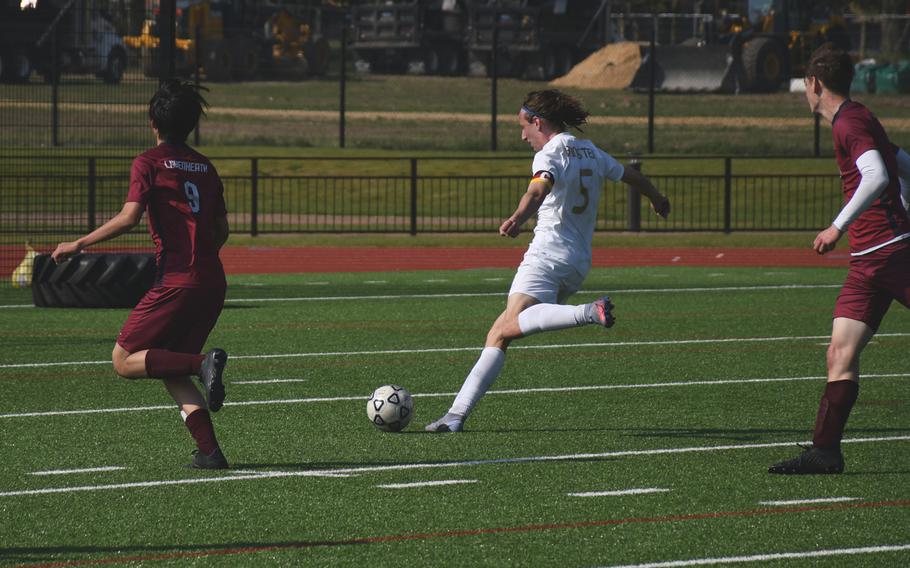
(564, 192)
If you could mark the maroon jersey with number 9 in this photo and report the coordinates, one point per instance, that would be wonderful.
(183, 196)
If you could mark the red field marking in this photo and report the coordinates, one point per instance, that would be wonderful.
(468, 532)
(266, 260)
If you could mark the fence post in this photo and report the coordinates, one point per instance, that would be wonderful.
(413, 197)
(652, 81)
(92, 194)
(342, 77)
(197, 54)
(55, 85)
(633, 200)
(728, 194)
(254, 197)
(494, 79)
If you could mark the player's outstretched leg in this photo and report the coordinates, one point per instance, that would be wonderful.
(810, 462)
(448, 423)
(552, 317)
(210, 377)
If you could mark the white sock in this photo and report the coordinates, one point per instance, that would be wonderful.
(549, 317)
(485, 371)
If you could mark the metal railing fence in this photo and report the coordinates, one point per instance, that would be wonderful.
(52, 199)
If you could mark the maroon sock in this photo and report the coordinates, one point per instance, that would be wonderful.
(163, 364)
(199, 423)
(833, 411)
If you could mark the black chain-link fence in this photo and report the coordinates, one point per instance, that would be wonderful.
(78, 194)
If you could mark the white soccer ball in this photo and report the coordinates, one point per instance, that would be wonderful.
(390, 408)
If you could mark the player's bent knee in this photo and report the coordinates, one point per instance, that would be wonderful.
(118, 359)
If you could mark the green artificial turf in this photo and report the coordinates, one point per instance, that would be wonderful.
(687, 367)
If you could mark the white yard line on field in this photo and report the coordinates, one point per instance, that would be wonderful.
(420, 466)
(503, 293)
(475, 348)
(770, 556)
(81, 470)
(619, 493)
(531, 390)
(267, 381)
(425, 483)
(810, 501)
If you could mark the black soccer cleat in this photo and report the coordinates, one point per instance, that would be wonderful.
(215, 460)
(210, 375)
(813, 461)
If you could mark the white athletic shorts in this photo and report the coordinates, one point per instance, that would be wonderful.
(546, 280)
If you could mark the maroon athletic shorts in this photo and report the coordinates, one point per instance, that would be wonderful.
(874, 280)
(176, 319)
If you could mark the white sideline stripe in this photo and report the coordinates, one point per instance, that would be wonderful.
(810, 501)
(82, 470)
(532, 390)
(267, 381)
(770, 556)
(501, 293)
(619, 493)
(490, 294)
(254, 473)
(416, 466)
(477, 349)
(425, 483)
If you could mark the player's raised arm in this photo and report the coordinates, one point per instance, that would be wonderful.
(659, 202)
(538, 189)
(120, 223)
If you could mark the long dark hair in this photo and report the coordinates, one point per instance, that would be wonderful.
(562, 110)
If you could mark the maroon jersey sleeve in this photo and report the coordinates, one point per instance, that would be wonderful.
(854, 136)
(140, 181)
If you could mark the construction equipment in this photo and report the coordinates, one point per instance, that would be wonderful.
(237, 41)
(536, 39)
(55, 37)
(754, 53)
(419, 37)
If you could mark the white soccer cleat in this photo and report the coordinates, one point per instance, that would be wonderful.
(448, 423)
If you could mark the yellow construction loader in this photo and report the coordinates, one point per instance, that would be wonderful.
(230, 43)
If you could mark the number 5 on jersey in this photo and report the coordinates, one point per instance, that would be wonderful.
(192, 195)
(579, 209)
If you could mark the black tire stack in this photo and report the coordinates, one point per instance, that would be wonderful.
(115, 280)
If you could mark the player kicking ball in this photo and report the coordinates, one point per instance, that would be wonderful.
(564, 192)
(187, 219)
(876, 181)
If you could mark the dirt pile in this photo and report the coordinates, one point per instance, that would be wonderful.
(611, 67)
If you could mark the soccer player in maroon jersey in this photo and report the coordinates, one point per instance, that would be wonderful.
(876, 181)
(162, 338)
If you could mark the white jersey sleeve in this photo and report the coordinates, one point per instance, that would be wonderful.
(612, 170)
(549, 164)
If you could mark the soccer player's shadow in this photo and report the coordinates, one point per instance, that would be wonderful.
(725, 434)
(745, 434)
